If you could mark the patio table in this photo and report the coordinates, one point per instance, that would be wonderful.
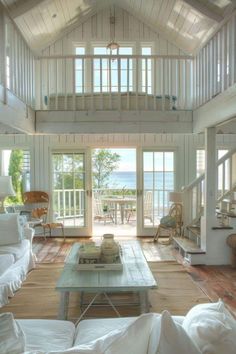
(135, 277)
(119, 204)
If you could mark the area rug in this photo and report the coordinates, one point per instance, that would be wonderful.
(55, 250)
(38, 299)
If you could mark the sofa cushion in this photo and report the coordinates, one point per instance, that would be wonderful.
(6, 260)
(18, 250)
(89, 330)
(212, 328)
(132, 339)
(12, 339)
(48, 335)
(168, 337)
(11, 226)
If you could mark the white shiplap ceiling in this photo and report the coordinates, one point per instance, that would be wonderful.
(187, 23)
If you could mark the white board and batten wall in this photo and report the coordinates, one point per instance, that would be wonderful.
(41, 147)
(128, 30)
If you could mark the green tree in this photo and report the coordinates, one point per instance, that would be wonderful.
(15, 171)
(104, 163)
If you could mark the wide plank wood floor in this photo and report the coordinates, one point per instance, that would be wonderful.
(216, 281)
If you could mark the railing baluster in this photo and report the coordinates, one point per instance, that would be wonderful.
(109, 82)
(100, 85)
(73, 83)
(83, 83)
(119, 84)
(65, 83)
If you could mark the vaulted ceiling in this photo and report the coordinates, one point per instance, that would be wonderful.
(187, 23)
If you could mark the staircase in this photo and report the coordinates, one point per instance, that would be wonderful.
(190, 245)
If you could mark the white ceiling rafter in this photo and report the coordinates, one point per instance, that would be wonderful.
(155, 28)
(188, 24)
(65, 31)
(20, 7)
(205, 10)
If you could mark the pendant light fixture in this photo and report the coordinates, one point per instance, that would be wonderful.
(113, 45)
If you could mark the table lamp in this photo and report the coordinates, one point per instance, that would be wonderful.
(6, 190)
(175, 197)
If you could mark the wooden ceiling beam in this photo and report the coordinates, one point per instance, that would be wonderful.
(205, 10)
(21, 7)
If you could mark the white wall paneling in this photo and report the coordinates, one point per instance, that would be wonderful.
(19, 67)
(128, 29)
(41, 146)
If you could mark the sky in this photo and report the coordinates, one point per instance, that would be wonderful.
(128, 159)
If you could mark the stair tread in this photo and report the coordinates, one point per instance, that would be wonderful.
(188, 245)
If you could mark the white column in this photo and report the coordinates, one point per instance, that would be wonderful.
(2, 51)
(209, 219)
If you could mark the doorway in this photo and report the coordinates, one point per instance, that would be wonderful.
(114, 196)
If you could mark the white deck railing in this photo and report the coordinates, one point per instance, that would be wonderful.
(226, 183)
(70, 203)
(114, 82)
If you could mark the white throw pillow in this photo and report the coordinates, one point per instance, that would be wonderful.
(212, 328)
(168, 337)
(11, 229)
(131, 340)
(12, 338)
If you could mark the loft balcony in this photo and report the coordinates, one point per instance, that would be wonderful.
(114, 82)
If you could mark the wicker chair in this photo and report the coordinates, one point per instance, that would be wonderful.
(36, 206)
(174, 227)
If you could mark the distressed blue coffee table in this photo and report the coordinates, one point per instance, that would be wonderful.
(135, 277)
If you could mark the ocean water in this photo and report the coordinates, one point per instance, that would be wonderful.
(127, 180)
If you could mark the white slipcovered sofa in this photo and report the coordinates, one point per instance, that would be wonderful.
(16, 256)
(206, 328)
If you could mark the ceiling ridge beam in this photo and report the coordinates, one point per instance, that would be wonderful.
(205, 10)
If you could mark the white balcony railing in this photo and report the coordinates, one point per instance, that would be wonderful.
(114, 82)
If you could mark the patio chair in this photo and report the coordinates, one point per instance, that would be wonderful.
(99, 213)
(172, 223)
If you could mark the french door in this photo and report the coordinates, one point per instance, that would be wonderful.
(157, 180)
(71, 191)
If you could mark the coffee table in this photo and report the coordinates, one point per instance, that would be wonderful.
(135, 277)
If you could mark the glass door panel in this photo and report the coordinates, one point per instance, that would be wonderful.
(158, 181)
(69, 189)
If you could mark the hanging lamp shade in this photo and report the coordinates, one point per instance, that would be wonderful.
(113, 45)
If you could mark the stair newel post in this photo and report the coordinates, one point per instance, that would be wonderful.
(209, 219)
(186, 208)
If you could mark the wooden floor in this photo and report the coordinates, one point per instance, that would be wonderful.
(216, 281)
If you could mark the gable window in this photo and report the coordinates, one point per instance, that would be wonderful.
(106, 72)
(146, 70)
(79, 71)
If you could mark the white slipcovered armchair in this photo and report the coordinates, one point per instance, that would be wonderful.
(16, 255)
